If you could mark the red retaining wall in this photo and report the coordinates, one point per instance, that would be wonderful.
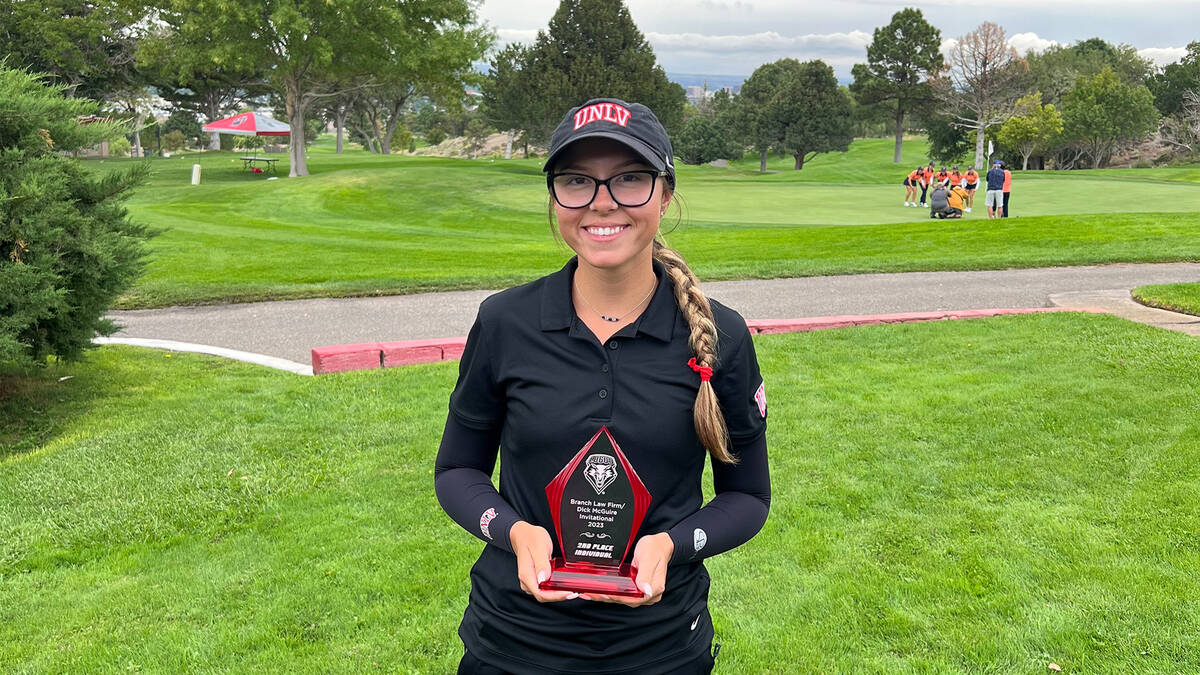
(368, 355)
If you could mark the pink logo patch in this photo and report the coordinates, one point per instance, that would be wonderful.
(760, 397)
(602, 112)
(484, 520)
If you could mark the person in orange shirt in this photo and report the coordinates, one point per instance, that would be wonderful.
(942, 176)
(926, 181)
(955, 177)
(1007, 187)
(957, 200)
(911, 182)
(970, 183)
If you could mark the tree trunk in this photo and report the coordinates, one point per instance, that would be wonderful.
(137, 142)
(799, 160)
(1025, 161)
(899, 133)
(980, 160)
(339, 120)
(508, 146)
(295, 113)
(213, 108)
(762, 161)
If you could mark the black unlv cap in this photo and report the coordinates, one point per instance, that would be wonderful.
(631, 124)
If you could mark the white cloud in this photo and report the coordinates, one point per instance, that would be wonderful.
(1161, 56)
(769, 41)
(1022, 42)
(507, 35)
(1030, 42)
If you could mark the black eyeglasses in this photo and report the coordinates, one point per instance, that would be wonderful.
(577, 190)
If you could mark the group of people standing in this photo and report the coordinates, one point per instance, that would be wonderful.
(949, 193)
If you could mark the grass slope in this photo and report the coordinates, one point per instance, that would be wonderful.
(1183, 297)
(364, 225)
(971, 496)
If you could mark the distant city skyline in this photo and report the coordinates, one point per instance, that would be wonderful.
(734, 37)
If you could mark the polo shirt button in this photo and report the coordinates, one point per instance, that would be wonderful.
(603, 393)
(612, 344)
(604, 368)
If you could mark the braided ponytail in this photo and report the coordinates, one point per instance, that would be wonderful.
(702, 337)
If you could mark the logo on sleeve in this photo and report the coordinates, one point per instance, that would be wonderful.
(699, 539)
(485, 520)
(760, 397)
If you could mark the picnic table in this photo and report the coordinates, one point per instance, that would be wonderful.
(249, 162)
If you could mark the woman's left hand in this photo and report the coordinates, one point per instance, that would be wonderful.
(650, 557)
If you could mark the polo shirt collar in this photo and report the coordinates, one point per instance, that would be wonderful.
(658, 321)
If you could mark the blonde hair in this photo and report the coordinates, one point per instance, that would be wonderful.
(702, 338)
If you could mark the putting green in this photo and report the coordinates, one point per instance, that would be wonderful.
(364, 224)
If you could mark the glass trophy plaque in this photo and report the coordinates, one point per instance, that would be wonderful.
(597, 503)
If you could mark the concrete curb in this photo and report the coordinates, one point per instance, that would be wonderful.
(248, 357)
(371, 355)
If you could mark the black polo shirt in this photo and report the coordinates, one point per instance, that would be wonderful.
(536, 380)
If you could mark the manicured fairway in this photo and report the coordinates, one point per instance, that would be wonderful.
(972, 496)
(1175, 297)
(372, 225)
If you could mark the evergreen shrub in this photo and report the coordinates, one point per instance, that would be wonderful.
(67, 245)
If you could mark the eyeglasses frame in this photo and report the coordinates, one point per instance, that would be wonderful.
(596, 183)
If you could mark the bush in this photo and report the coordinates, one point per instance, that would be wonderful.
(702, 140)
(119, 147)
(67, 247)
(173, 141)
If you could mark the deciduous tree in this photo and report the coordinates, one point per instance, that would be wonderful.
(88, 46)
(1034, 128)
(983, 83)
(1176, 79)
(1102, 113)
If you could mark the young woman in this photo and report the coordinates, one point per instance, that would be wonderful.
(926, 182)
(623, 339)
(912, 183)
(971, 183)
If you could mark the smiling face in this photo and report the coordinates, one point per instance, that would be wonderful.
(605, 234)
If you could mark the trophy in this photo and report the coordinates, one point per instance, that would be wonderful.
(597, 502)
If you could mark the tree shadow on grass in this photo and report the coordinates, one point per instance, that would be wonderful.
(37, 406)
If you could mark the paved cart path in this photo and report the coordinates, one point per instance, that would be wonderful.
(290, 329)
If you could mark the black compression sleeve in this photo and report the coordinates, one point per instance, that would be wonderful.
(462, 481)
(736, 513)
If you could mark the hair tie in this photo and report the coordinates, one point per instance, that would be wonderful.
(705, 371)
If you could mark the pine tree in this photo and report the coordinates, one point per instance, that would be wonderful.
(593, 49)
(900, 58)
(67, 247)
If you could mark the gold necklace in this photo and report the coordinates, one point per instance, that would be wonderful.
(614, 319)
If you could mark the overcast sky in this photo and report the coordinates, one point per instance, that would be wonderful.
(733, 37)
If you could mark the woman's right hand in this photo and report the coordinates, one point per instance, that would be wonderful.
(533, 548)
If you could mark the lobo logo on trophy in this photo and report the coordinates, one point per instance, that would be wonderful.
(597, 502)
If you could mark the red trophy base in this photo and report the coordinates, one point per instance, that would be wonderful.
(584, 577)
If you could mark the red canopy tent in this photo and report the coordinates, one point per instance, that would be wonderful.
(249, 124)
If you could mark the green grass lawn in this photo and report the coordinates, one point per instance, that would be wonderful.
(1183, 297)
(968, 496)
(364, 224)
